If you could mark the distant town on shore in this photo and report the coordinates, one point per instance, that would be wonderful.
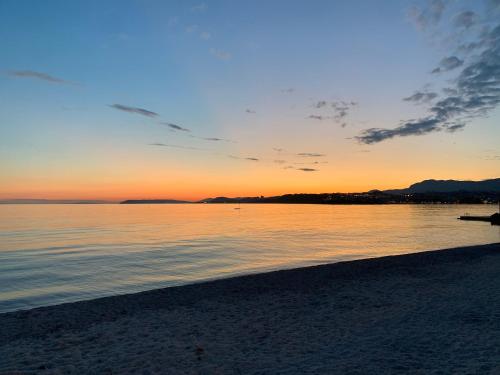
(428, 191)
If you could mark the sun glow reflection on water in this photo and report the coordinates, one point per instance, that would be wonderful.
(51, 254)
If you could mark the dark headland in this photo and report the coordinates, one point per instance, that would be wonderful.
(432, 312)
(153, 201)
(428, 191)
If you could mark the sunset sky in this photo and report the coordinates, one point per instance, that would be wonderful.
(190, 99)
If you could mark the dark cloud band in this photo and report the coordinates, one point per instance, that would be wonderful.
(37, 75)
(139, 111)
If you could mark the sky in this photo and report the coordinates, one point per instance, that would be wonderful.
(194, 99)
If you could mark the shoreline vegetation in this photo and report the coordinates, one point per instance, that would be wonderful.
(422, 312)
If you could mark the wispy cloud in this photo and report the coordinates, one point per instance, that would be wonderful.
(421, 97)
(213, 139)
(491, 157)
(318, 117)
(38, 75)
(342, 108)
(139, 111)
(336, 110)
(307, 169)
(175, 127)
(199, 7)
(428, 17)
(243, 158)
(205, 35)
(174, 146)
(220, 54)
(320, 104)
(475, 91)
(454, 128)
(420, 127)
(310, 154)
(447, 64)
(248, 110)
(465, 19)
(288, 90)
(311, 163)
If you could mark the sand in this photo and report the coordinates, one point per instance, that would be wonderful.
(434, 312)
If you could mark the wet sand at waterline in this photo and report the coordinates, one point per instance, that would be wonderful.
(427, 312)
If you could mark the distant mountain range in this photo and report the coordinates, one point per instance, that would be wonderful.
(448, 186)
(427, 191)
(52, 201)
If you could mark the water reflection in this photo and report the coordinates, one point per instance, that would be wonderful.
(58, 253)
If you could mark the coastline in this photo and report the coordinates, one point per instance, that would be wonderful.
(420, 312)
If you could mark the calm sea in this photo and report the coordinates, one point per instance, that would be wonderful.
(51, 254)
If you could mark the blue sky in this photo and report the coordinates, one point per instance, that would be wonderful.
(323, 78)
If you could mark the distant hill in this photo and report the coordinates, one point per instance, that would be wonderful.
(52, 201)
(428, 191)
(153, 201)
(450, 186)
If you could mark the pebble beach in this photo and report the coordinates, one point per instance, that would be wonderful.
(430, 312)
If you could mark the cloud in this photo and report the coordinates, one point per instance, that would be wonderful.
(419, 127)
(310, 154)
(491, 157)
(311, 163)
(279, 161)
(429, 17)
(318, 117)
(278, 149)
(307, 169)
(175, 127)
(465, 19)
(340, 110)
(447, 64)
(494, 3)
(139, 111)
(454, 128)
(199, 8)
(191, 28)
(288, 90)
(243, 158)
(474, 92)
(421, 97)
(320, 104)
(250, 111)
(221, 55)
(205, 35)
(37, 75)
(212, 139)
(467, 48)
(174, 146)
